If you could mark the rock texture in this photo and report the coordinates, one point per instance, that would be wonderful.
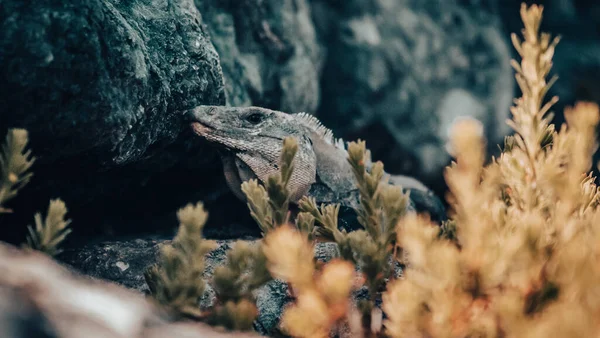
(101, 85)
(268, 51)
(105, 78)
(124, 263)
(405, 70)
(39, 298)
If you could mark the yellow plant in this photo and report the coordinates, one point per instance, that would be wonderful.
(15, 163)
(50, 232)
(322, 296)
(15, 172)
(269, 204)
(372, 248)
(176, 280)
(519, 257)
(525, 261)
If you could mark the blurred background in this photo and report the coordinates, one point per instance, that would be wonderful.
(101, 85)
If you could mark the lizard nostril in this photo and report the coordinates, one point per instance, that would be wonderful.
(189, 116)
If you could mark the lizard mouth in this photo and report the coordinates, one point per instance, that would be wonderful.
(200, 129)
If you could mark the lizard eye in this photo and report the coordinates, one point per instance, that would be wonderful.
(255, 118)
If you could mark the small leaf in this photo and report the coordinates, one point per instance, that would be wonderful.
(15, 163)
(48, 234)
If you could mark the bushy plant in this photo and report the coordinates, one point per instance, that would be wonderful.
(525, 261)
(372, 249)
(245, 270)
(269, 204)
(176, 282)
(15, 165)
(15, 173)
(48, 233)
(322, 293)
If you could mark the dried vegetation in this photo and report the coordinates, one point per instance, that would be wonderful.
(519, 257)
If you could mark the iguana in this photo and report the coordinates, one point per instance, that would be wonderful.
(250, 141)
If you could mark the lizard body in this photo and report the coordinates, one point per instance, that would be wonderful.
(250, 141)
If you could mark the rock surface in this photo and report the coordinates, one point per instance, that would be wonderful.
(100, 87)
(268, 51)
(405, 70)
(124, 263)
(106, 79)
(40, 298)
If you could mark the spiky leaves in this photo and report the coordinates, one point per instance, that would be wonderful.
(305, 222)
(15, 165)
(527, 226)
(176, 281)
(50, 232)
(322, 298)
(381, 206)
(269, 204)
(15, 162)
(531, 116)
(244, 271)
(234, 283)
(326, 216)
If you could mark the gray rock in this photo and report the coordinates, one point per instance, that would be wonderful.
(268, 51)
(100, 85)
(105, 260)
(121, 262)
(105, 77)
(40, 298)
(402, 71)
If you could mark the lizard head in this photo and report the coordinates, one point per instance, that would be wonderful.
(251, 141)
(246, 129)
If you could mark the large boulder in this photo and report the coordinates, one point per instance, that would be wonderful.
(268, 51)
(101, 86)
(103, 78)
(40, 298)
(398, 73)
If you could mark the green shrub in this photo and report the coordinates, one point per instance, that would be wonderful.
(15, 165)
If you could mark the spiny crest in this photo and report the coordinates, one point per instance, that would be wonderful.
(316, 126)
